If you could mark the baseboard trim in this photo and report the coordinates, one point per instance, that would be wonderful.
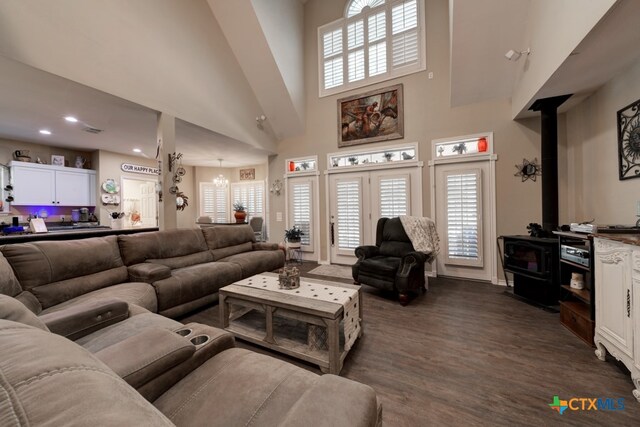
(324, 262)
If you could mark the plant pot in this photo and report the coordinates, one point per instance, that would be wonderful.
(240, 216)
(294, 244)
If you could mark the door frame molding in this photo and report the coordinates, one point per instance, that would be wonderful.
(492, 257)
(368, 167)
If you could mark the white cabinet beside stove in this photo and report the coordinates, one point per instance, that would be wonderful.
(617, 284)
(46, 185)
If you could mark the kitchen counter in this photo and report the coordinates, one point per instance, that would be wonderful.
(73, 234)
(630, 239)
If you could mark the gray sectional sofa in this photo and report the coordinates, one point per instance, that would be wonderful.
(170, 272)
(81, 342)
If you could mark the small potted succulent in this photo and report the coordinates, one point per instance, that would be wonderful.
(353, 160)
(239, 212)
(293, 236)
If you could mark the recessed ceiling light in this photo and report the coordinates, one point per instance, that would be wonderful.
(137, 150)
(71, 119)
(45, 132)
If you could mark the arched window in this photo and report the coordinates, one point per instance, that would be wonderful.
(377, 40)
(354, 7)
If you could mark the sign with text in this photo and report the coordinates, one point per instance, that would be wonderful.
(147, 170)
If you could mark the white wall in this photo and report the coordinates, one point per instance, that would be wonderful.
(170, 56)
(554, 30)
(593, 185)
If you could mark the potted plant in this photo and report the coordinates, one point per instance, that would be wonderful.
(292, 236)
(239, 212)
(353, 160)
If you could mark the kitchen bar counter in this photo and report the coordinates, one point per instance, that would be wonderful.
(75, 234)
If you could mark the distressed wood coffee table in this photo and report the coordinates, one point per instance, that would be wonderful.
(304, 327)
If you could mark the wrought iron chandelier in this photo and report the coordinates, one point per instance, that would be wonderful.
(220, 181)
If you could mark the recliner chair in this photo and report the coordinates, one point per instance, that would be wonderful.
(392, 264)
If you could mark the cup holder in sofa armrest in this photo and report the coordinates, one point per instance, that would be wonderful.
(207, 341)
(184, 332)
(141, 358)
(199, 340)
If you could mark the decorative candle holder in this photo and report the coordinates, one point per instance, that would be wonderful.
(289, 278)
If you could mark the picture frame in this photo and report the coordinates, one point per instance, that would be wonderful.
(629, 141)
(57, 160)
(377, 115)
(247, 174)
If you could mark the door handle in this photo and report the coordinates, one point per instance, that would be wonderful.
(331, 225)
(628, 303)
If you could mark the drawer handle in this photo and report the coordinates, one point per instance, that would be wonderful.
(628, 303)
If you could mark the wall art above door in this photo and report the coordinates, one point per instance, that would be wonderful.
(377, 115)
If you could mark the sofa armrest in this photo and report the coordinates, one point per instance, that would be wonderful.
(84, 318)
(265, 246)
(409, 260)
(364, 252)
(350, 404)
(148, 272)
(147, 355)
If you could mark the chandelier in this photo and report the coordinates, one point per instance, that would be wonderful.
(220, 181)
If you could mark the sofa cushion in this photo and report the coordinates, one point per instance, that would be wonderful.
(193, 282)
(256, 262)
(56, 271)
(184, 260)
(120, 331)
(247, 388)
(9, 284)
(157, 245)
(227, 240)
(138, 293)
(49, 380)
(14, 310)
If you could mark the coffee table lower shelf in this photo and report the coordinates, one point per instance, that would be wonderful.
(287, 346)
(307, 330)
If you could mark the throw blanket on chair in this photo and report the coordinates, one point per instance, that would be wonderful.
(423, 234)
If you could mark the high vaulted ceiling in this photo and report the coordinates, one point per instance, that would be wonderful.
(239, 60)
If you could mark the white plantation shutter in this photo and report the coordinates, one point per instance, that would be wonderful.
(404, 30)
(348, 207)
(251, 195)
(214, 202)
(301, 209)
(394, 196)
(332, 54)
(463, 198)
(384, 41)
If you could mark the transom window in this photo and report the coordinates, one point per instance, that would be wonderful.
(377, 40)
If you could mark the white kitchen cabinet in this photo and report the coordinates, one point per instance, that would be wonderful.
(617, 285)
(47, 185)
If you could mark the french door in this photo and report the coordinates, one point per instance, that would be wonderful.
(358, 199)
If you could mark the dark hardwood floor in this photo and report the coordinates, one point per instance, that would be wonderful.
(466, 354)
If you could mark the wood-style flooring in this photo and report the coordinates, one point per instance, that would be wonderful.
(466, 354)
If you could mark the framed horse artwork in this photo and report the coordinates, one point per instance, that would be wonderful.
(370, 117)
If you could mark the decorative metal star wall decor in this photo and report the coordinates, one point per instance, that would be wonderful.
(629, 141)
(528, 169)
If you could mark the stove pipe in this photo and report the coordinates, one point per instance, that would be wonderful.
(548, 108)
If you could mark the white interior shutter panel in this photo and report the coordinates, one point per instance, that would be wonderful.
(213, 202)
(404, 30)
(302, 209)
(348, 208)
(463, 198)
(332, 58)
(394, 196)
